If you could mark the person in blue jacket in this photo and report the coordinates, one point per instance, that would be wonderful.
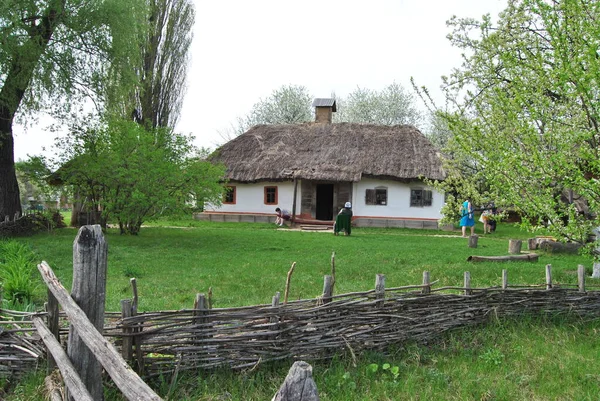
(467, 219)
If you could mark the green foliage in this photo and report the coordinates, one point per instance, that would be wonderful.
(386, 371)
(492, 356)
(88, 41)
(133, 174)
(526, 112)
(289, 104)
(17, 266)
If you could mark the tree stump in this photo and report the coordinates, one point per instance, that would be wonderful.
(514, 246)
(298, 385)
(532, 244)
(473, 241)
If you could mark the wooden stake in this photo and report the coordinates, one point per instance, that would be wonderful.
(514, 246)
(581, 277)
(380, 289)
(127, 345)
(332, 270)
(426, 283)
(327, 289)
(548, 277)
(467, 276)
(473, 241)
(287, 283)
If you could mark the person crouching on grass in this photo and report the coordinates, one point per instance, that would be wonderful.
(282, 215)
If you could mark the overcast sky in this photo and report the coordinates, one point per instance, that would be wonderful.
(243, 50)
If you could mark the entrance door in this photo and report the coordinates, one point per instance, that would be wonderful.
(324, 202)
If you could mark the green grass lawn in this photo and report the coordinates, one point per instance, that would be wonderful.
(527, 359)
(246, 264)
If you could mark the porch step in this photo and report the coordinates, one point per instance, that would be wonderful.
(316, 227)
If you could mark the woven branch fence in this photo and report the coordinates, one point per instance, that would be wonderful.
(202, 338)
(163, 342)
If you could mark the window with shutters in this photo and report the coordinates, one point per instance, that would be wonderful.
(376, 196)
(420, 197)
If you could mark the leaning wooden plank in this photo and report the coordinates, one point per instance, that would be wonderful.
(76, 387)
(531, 257)
(130, 384)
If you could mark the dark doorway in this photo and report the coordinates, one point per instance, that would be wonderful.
(324, 202)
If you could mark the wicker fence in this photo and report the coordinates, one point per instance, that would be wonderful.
(163, 342)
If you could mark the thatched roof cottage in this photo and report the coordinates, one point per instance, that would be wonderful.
(312, 169)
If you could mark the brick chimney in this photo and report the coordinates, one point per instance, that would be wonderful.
(324, 109)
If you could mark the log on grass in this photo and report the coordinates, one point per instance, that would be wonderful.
(531, 257)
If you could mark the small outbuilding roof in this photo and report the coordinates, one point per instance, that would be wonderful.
(329, 152)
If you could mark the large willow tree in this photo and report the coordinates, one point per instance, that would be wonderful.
(527, 113)
(57, 52)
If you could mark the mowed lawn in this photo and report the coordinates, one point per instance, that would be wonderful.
(528, 358)
(246, 264)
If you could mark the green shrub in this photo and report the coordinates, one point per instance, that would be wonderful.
(17, 265)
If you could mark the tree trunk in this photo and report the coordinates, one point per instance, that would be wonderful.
(10, 201)
(23, 64)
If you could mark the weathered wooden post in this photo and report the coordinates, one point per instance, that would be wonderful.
(327, 289)
(380, 289)
(504, 279)
(514, 246)
(473, 241)
(274, 320)
(298, 385)
(200, 312)
(53, 326)
(548, 277)
(426, 283)
(467, 276)
(127, 345)
(532, 244)
(88, 292)
(581, 277)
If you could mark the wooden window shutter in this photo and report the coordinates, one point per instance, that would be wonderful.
(370, 197)
(427, 198)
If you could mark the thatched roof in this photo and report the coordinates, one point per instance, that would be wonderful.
(329, 152)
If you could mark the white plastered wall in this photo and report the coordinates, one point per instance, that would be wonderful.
(250, 198)
(398, 196)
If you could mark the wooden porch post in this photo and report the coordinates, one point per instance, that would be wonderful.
(294, 202)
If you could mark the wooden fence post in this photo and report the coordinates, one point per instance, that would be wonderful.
(380, 289)
(274, 320)
(200, 312)
(473, 241)
(514, 246)
(467, 276)
(581, 277)
(136, 341)
(327, 289)
(127, 345)
(504, 279)
(548, 277)
(53, 326)
(89, 293)
(426, 283)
